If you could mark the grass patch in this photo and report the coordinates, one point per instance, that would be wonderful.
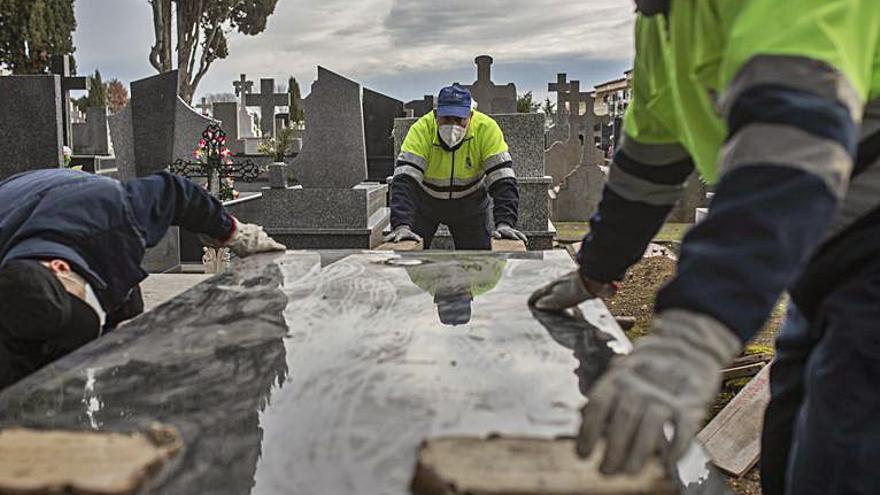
(575, 231)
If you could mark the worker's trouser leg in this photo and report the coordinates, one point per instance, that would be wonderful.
(835, 446)
(467, 219)
(793, 346)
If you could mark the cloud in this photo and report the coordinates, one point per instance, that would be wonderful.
(393, 42)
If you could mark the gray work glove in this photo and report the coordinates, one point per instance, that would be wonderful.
(569, 291)
(403, 233)
(504, 231)
(247, 239)
(671, 378)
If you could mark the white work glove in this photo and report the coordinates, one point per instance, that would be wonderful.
(569, 291)
(504, 231)
(247, 239)
(671, 378)
(403, 233)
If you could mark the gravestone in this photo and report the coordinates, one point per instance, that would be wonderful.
(267, 100)
(334, 150)
(227, 114)
(154, 130)
(560, 129)
(61, 67)
(205, 107)
(379, 114)
(332, 208)
(420, 107)
(577, 195)
(524, 134)
(491, 98)
(693, 197)
(31, 122)
(93, 136)
(243, 87)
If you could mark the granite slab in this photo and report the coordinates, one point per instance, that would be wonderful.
(321, 372)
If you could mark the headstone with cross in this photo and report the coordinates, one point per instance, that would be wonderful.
(61, 66)
(204, 106)
(243, 87)
(215, 165)
(267, 100)
(491, 98)
(562, 88)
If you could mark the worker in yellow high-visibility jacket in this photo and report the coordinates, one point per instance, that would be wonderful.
(777, 100)
(452, 160)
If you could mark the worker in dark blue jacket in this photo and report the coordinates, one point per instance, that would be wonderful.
(71, 247)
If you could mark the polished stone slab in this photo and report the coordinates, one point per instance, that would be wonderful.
(321, 372)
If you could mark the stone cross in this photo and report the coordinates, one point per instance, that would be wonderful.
(61, 66)
(204, 106)
(243, 86)
(575, 97)
(484, 69)
(562, 88)
(267, 100)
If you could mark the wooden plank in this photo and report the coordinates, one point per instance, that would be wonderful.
(741, 371)
(751, 359)
(508, 245)
(733, 438)
(521, 465)
(401, 246)
(82, 462)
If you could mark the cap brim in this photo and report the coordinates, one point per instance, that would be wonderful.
(460, 112)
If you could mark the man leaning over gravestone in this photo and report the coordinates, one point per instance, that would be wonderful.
(449, 160)
(71, 247)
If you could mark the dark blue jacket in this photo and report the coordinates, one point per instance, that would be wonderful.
(101, 226)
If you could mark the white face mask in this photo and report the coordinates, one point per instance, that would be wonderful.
(452, 134)
(92, 301)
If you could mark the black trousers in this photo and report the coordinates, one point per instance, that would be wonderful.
(467, 219)
(822, 427)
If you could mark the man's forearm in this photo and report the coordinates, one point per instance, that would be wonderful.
(784, 176)
(404, 191)
(163, 200)
(505, 199)
(645, 183)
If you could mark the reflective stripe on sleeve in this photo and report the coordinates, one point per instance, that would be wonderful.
(799, 73)
(787, 146)
(653, 154)
(633, 188)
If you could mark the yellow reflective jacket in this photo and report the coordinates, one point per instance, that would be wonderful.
(479, 161)
(685, 63)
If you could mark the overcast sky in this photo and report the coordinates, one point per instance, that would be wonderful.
(404, 48)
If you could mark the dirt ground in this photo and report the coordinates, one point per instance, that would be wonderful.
(636, 299)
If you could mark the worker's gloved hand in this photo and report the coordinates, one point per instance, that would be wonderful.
(670, 377)
(403, 233)
(247, 239)
(569, 291)
(504, 231)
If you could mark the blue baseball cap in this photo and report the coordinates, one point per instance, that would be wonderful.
(454, 101)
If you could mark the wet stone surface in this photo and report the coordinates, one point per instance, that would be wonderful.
(321, 372)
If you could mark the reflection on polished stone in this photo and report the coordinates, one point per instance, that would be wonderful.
(321, 372)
